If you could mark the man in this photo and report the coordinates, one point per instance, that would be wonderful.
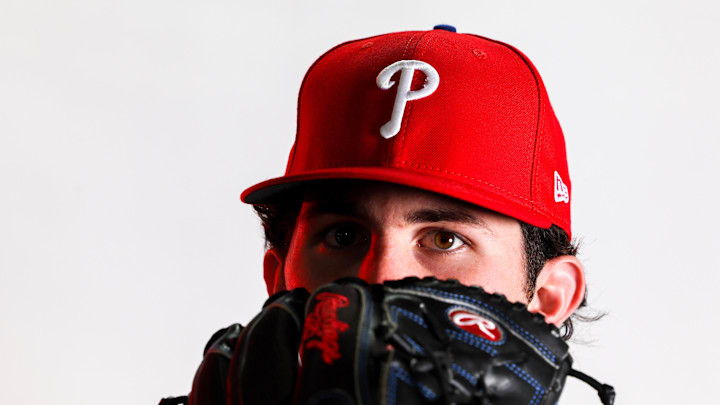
(425, 153)
(446, 159)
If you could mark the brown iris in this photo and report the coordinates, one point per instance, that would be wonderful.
(444, 240)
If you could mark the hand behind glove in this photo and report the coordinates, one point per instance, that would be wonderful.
(404, 342)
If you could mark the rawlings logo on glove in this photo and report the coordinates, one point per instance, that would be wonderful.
(322, 323)
(475, 324)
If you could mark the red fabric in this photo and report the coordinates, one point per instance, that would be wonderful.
(487, 135)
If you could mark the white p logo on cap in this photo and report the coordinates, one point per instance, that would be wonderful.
(404, 94)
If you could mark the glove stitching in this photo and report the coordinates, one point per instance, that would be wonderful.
(397, 372)
(534, 341)
(539, 389)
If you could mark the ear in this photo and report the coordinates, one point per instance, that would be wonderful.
(273, 271)
(559, 290)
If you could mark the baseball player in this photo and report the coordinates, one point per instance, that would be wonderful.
(420, 156)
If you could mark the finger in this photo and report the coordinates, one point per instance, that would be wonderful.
(335, 346)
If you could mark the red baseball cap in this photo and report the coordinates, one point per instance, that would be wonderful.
(456, 114)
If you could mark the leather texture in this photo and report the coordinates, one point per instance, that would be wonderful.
(412, 341)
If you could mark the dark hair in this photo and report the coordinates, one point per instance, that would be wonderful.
(541, 245)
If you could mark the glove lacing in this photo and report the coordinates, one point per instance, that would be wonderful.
(605, 392)
(438, 362)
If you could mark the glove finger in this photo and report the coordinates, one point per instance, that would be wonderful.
(264, 366)
(335, 346)
(209, 384)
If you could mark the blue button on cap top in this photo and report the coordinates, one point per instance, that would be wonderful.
(445, 27)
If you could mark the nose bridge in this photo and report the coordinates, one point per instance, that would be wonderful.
(387, 259)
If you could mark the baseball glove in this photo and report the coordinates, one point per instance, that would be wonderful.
(412, 341)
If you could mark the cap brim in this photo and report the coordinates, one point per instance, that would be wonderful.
(272, 190)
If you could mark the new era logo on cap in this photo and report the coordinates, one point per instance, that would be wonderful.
(561, 190)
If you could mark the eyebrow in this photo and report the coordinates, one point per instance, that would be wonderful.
(335, 207)
(426, 215)
(447, 215)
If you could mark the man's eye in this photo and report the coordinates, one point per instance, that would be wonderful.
(343, 236)
(442, 240)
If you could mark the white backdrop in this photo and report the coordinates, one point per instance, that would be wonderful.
(128, 130)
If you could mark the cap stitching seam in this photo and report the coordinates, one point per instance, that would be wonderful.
(409, 107)
(421, 166)
(538, 144)
(532, 152)
(522, 62)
